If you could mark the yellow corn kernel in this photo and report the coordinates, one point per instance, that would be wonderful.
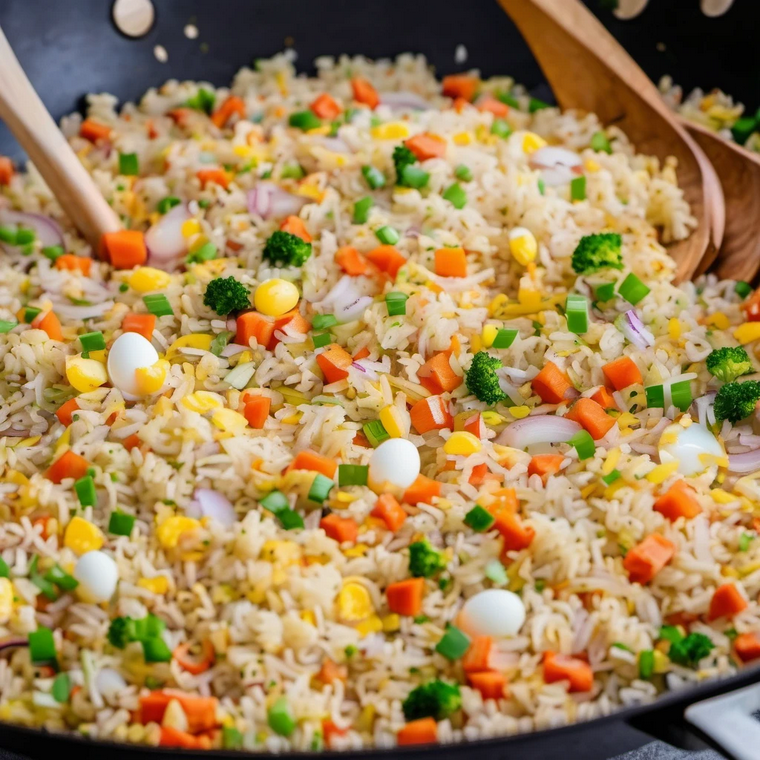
(528, 298)
(591, 165)
(462, 444)
(243, 151)
(611, 461)
(462, 138)
(391, 623)
(354, 603)
(229, 421)
(393, 130)
(6, 600)
(171, 529)
(82, 536)
(275, 297)
(310, 190)
(662, 472)
(722, 497)
(392, 421)
(284, 553)
(356, 551)
(373, 624)
(488, 335)
(158, 585)
(191, 227)
(719, 320)
(325, 129)
(748, 332)
(201, 341)
(493, 418)
(661, 662)
(366, 719)
(146, 279)
(475, 344)
(309, 617)
(85, 374)
(729, 572)
(532, 142)
(674, 328)
(626, 419)
(523, 245)
(151, 379)
(519, 412)
(202, 402)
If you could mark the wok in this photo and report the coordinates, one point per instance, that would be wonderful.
(72, 48)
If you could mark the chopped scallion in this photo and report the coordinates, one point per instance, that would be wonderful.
(61, 688)
(167, 203)
(7, 325)
(414, 176)
(322, 321)
(158, 305)
(41, 645)
(742, 289)
(680, 395)
(396, 303)
(611, 477)
(128, 164)
(453, 644)
(121, 524)
(578, 188)
(375, 432)
(353, 474)
(605, 291)
(362, 209)
(387, 235)
(304, 120)
(632, 289)
(646, 663)
(600, 143)
(53, 252)
(463, 172)
(374, 177)
(275, 501)
(536, 105)
(322, 339)
(583, 444)
(455, 195)
(290, 519)
(501, 128)
(92, 341)
(85, 490)
(505, 338)
(155, 649)
(576, 311)
(320, 488)
(496, 573)
(479, 519)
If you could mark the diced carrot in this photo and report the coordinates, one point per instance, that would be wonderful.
(474, 424)
(490, 104)
(423, 490)
(479, 474)
(173, 737)
(215, 176)
(362, 353)
(426, 145)
(361, 440)
(727, 601)
(50, 324)
(310, 460)
(516, 535)
(229, 108)
(478, 655)
(561, 667)
(604, 398)
(678, 501)
(545, 465)
(143, 324)
(437, 376)
(6, 170)
(125, 248)
(461, 86)
(66, 410)
(132, 442)
(340, 529)
(295, 226)
(256, 410)
(293, 321)
(93, 130)
(199, 711)
(326, 107)
(364, 92)
(682, 618)
(490, 683)
(389, 511)
(431, 413)
(387, 259)
(551, 384)
(751, 306)
(747, 646)
(331, 671)
(504, 500)
(592, 417)
(68, 465)
(330, 730)
(450, 262)
(405, 597)
(422, 731)
(74, 263)
(460, 104)
(192, 664)
(351, 261)
(646, 559)
(251, 324)
(622, 372)
(334, 363)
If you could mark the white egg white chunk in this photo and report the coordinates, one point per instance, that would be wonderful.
(694, 447)
(395, 462)
(494, 612)
(128, 353)
(97, 575)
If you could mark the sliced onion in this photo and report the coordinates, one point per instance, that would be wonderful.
(368, 371)
(47, 230)
(232, 349)
(558, 166)
(13, 642)
(402, 100)
(12, 432)
(342, 290)
(746, 439)
(268, 201)
(540, 429)
(165, 242)
(215, 505)
(71, 311)
(336, 145)
(749, 461)
(633, 328)
(110, 683)
(349, 311)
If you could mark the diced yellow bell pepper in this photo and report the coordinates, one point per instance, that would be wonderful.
(191, 227)
(158, 585)
(747, 332)
(229, 421)
(488, 335)
(85, 374)
(146, 279)
(6, 600)
(392, 421)
(393, 130)
(202, 402)
(532, 142)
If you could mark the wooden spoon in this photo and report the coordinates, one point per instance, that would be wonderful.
(739, 173)
(28, 119)
(589, 70)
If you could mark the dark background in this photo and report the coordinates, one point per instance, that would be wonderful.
(70, 47)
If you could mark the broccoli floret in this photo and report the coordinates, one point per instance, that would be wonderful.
(286, 249)
(600, 251)
(690, 649)
(482, 380)
(402, 157)
(121, 632)
(424, 561)
(729, 363)
(436, 699)
(226, 294)
(736, 401)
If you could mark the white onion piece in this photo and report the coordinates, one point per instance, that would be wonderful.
(403, 100)
(71, 311)
(336, 145)
(368, 371)
(705, 410)
(215, 505)
(232, 349)
(110, 683)
(164, 240)
(268, 201)
(352, 310)
(342, 290)
(540, 429)
(633, 328)
(746, 439)
(749, 461)
(47, 230)
(558, 166)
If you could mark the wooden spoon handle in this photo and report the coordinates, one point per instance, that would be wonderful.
(28, 119)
